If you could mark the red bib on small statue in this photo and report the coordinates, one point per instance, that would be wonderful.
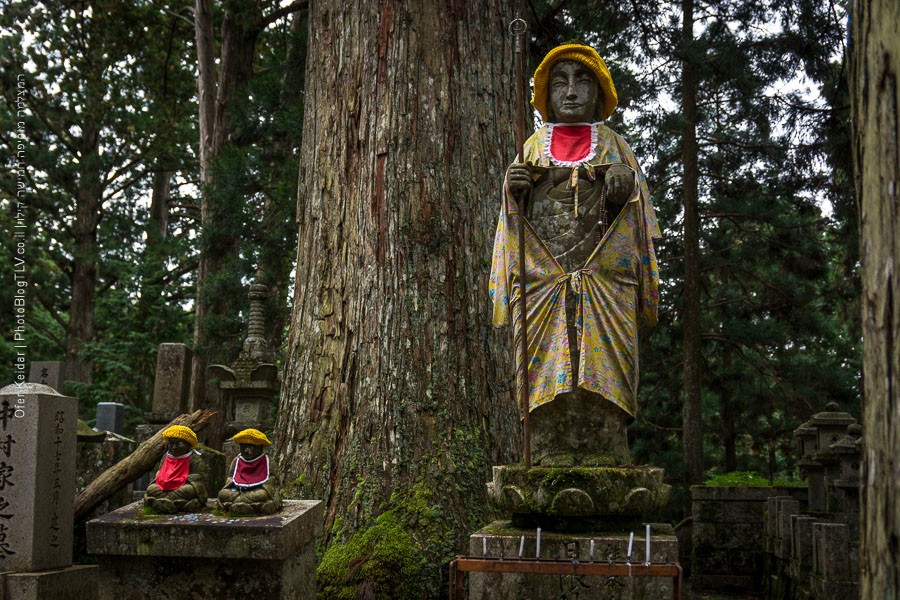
(250, 473)
(572, 144)
(174, 472)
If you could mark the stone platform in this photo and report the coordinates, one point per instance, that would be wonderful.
(204, 556)
(502, 539)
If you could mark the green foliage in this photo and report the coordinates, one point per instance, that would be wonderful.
(748, 479)
(125, 71)
(738, 478)
(105, 109)
(249, 226)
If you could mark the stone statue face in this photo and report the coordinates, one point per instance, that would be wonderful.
(251, 451)
(574, 93)
(177, 447)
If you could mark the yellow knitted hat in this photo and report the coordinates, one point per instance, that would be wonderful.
(586, 56)
(251, 436)
(182, 433)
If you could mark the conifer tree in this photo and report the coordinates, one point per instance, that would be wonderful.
(101, 109)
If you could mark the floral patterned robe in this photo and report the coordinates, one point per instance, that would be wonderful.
(617, 288)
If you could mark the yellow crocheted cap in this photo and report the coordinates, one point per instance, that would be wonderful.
(251, 436)
(586, 56)
(182, 433)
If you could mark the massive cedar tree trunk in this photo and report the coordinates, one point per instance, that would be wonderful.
(876, 94)
(692, 432)
(395, 379)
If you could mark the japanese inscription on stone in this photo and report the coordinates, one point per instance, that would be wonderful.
(37, 477)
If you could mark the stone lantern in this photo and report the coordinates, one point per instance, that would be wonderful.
(807, 441)
(848, 451)
(251, 383)
(816, 436)
(831, 425)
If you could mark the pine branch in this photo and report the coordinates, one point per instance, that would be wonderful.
(52, 311)
(50, 334)
(293, 7)
(171, 276)
(60, 135)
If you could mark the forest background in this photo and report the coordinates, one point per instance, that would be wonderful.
(164, 142)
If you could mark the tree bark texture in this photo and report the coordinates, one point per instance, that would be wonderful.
(876, 122)
(88, 201)
(204, 43)
(394, 376)
(692, 431)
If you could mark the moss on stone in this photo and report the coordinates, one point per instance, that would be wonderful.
(147, 512)
(609, 488)
(382, 561)
(421, 526)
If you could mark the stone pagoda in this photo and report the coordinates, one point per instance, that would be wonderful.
(250, 384)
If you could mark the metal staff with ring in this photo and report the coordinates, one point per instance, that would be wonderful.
(517, 28)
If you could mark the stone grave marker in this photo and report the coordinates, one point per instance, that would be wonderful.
(172, 386)
(110, 417)
(37, 477)
(48, 372)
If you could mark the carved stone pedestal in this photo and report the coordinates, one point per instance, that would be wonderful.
(575, 498)
(579, 509)
(502, 539)
(201, 556)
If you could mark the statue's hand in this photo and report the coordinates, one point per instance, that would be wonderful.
(619, 183)
(518, 177)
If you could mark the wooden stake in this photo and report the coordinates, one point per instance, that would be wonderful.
(518, 28)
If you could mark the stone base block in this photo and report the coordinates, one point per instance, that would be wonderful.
(502, 539)
(78, 582)
(165, 578)
(202, 556)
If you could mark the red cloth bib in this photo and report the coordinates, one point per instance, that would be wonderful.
(250, 473)
(571, 143)
(174, 472)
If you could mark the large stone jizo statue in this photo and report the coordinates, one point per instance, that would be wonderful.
(591, 267)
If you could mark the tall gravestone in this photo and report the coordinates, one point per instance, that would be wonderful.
(37, 477)
(171, 397)
(48, 372)
(171, 388)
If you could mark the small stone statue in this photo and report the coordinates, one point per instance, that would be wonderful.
(180, 484)
(252, 486)
(591, 266)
